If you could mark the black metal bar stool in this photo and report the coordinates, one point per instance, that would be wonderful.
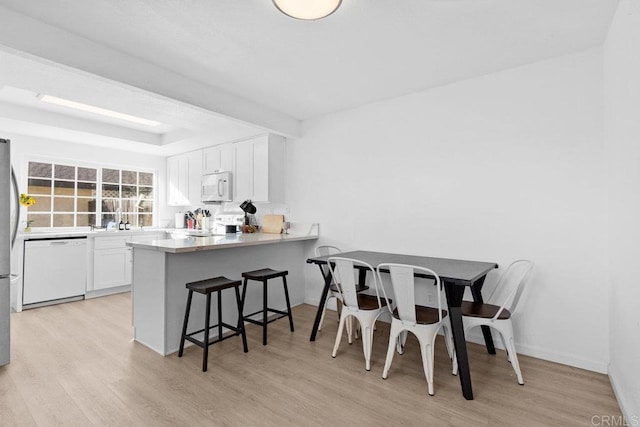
(206, 287)
(263, 276)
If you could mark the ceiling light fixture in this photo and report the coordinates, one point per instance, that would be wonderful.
(307, 9)
(96, 110)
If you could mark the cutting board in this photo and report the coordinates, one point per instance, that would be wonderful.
(272, 224)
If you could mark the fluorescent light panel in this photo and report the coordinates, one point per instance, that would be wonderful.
(96, 110)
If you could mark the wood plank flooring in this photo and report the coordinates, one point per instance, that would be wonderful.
(75, 364)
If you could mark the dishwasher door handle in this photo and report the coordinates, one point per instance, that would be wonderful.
(59, 243)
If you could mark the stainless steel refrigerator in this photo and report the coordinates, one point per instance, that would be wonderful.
(9, 211)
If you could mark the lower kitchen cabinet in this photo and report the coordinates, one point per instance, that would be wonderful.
(111, 268)
(111, 262)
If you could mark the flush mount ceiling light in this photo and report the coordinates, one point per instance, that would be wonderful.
(96, 110)
(307, 9)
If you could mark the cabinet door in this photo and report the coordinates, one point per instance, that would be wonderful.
(128, 268)
(111, 268)
(226, 157)
(211, 160)
(178, 180)
(194, 177)
(260, 170)
(244, 171)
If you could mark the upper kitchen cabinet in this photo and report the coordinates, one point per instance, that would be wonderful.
(218, 159)
(184, 174)
(259, 169)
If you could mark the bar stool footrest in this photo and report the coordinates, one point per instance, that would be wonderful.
(236, 331)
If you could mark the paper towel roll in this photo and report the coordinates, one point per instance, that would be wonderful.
(179, 220)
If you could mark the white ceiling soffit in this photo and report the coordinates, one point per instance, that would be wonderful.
(184, 127)
(368, 50)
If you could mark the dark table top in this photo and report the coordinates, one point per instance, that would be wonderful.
(451, 270)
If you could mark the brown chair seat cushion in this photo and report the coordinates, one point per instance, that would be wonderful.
(485, 311)
(370, 302)
(424, 315)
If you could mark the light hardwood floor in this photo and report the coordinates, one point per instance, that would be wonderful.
(75, 364)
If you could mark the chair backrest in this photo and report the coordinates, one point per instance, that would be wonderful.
(510, 286)
(403, 283)
(343, 271)
(326, 250)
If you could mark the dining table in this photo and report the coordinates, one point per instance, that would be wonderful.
(455, 274)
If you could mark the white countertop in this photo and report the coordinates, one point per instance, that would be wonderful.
(61, 234)
(193, 244)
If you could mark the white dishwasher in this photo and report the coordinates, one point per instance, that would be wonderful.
(54, 270)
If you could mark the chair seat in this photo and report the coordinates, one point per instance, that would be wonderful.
(264, 274)
(212, 285)
(370, 302)
(484, 311)
(424, 315)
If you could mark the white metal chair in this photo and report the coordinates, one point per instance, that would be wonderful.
(333, 291)
(364, 308)
(507, 293)
(423, 322)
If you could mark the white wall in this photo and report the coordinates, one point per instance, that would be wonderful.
(496, 168)
(23, 147)
(622, 124)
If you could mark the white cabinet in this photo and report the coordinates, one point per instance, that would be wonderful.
(111, 262)
(218, 159)
(259, 171)
(184, 174)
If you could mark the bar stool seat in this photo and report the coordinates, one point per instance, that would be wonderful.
(264, 275)
(207, 287)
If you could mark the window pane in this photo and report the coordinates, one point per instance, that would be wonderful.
(40, 170)
(110, 190)
(43, 204)
(39, 220)
(146, 192)
(84, 220)
(129, 177)
(111, 175)
(65, 172)
(86, 174)
(128, 205)
(87, 189)
(129, 191)
(63, 204)
(86, 204)
(107, 218)
(146, 206)
(64, 188)
(39, 186)
(110, 205)
(145, 179)
(145, 220)
(63, 220)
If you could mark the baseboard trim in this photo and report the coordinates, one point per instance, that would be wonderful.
(625, 407)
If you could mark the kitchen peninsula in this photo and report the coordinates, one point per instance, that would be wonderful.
(161, 269)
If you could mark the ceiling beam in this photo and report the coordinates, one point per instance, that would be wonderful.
(27, 35)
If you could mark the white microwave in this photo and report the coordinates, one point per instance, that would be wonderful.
(217, 187)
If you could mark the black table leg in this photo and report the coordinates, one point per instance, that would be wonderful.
(476, 289)
(323, 300)
(454, 294)
(362, 277)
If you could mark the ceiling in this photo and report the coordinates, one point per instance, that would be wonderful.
(369, 50)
